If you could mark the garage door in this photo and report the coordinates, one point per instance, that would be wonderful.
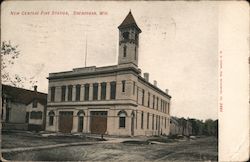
(98, 123)
(65, 121)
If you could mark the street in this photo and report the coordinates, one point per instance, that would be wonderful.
(199, 149)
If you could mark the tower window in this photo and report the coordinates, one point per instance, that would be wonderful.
(124, 51)
(125, 35)
(123, 85)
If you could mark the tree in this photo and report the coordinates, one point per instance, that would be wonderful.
(9, 54)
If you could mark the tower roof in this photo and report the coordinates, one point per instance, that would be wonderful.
(129, 21)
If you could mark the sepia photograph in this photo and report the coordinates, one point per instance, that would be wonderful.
(110, 81)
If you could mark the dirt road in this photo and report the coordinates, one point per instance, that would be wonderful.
(191, 150)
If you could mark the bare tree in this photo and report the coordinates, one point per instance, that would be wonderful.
(9, 53)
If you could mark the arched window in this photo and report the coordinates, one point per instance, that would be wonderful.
(124, 51)
(51, 117)
(80, 115)
(122, 119)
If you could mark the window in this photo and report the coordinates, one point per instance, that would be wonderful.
(34, 104)
(103, 91)
(137, 94)
(36, 115)
(80, 115)
(156, 121)
(134, 87)
(148, 99)
(148, 121)
(53, 89)
(136, 119)
(153, 101)
(153, 121)
(157, 101)
(78, 91)
(135, 52)
(112, 90)
(142, 120)
(165, 122)
(143, 92)
(125, 35)
(123, 85)
(95, 91)
(86, 92)
(122, 119)
(168, 107)
(70, 87)
(51, 118)
(124, 51)
(63, 93)
(136, 38)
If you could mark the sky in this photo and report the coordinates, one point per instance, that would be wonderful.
(177, 46)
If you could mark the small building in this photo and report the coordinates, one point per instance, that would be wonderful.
(180, 126)
(23, 109)
(114, 100)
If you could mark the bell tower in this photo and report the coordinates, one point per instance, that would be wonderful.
(128, 41)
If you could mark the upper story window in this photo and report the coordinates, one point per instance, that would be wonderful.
(34, 104)
(148, 99)
(78, 91)
(143, 92)
(153, 101)
(135, 52)
(123, 85)
(63, 93)
(137, 94)
(86, 92)
(124, 51)
(103, 91)
(134, 87)
(95, 91)
(53, 92)
(157, 101)
(70, 88)
(112, 90)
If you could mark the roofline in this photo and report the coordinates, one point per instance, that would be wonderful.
(151, 85)
(94, 73)
(23, 89)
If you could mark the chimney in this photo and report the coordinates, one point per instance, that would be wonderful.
(166, 90)
(155, 83)
(146, 76)
(35, 88)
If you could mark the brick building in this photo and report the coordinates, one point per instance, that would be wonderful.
(113, 100)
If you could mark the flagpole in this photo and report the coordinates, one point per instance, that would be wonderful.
(86, 50)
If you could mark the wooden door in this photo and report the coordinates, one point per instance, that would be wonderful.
(98, 123)
(65, 121)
